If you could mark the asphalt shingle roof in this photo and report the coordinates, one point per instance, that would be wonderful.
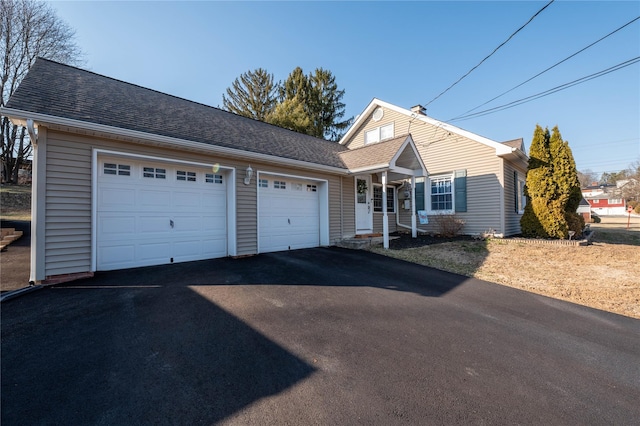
(373, 154)
(63, 91)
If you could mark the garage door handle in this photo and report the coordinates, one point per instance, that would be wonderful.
(171, 222)
(289, 220)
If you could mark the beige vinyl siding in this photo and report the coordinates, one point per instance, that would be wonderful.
(68, 202)
(444, 153)
(377, 222)
(348, 207)
(400, 127)
(512, 218)
(67, 207)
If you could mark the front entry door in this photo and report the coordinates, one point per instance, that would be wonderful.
(364, 209)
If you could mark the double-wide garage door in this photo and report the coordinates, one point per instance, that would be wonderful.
(288, 213)
(151, 213)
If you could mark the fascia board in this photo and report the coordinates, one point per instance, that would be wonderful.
(409, 141)
(22, 116)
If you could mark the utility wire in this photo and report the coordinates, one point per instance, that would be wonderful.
(551, 67)
(550, 91)
(491, 54)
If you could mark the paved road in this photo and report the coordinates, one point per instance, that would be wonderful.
(321, 336)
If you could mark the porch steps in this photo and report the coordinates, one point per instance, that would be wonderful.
(7, 236)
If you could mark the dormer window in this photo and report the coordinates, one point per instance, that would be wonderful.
(378, 134)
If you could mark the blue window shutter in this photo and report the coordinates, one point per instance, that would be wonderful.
(419, 196)
(460, 185)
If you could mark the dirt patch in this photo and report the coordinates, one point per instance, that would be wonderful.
(602, 275)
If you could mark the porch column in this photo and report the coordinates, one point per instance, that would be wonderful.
(414, 228)
(385, 217)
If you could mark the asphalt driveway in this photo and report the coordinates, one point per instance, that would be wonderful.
(320, 336)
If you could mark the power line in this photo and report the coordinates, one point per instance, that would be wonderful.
(549, 91)
(551, 67)
(491, 54)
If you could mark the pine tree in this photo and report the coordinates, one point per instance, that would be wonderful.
(326, 106)
(291, 114)
(253, 95)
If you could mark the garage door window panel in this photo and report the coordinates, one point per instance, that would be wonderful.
(183, 175)
(117, 169)
(154, 173)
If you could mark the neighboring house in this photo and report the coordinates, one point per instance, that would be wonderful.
(477, 179)
(605, 200)
(125, 176)
(584, 209)
(607, 205)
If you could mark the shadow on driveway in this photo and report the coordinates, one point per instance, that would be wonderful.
(141, 346)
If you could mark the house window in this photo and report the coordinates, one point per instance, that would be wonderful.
(312, 188)
(378, 134)
(117, 169)
(377, 198)
(279, 184)
(152, 172)
(296, 187)
(212, 178)
(263, 183)
(441, 194)
(186, 176)
(595, 201)
(615, 201)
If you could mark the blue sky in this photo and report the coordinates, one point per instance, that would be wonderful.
(405, 53)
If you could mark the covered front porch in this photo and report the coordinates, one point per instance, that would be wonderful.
(380, 170)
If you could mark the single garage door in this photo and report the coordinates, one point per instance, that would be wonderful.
(151, 213)
(288, 214)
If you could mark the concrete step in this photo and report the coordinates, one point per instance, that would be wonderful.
(7, 236)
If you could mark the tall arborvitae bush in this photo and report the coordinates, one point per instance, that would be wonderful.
(552, 188)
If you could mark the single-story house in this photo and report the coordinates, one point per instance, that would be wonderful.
(479, 180)
(125, 176)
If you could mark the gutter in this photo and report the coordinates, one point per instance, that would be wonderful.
(23, 118)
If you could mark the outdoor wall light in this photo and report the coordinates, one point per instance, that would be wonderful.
(248, 175)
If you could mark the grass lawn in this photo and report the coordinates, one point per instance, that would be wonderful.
(602, 275)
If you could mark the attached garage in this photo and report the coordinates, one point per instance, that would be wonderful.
(289, 212)
(150, 212)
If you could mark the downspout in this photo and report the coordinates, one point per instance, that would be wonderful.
(35, 219)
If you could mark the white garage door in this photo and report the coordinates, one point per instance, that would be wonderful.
(151, 213)
(288, 214)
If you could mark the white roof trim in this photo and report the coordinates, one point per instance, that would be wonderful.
(501, 149)
(20, 115)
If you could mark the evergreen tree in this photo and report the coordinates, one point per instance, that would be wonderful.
(327, 108)
(538, 185)
(552, 188)
(253, 95)
(565, 176)
(310, 104)
(291, 114)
